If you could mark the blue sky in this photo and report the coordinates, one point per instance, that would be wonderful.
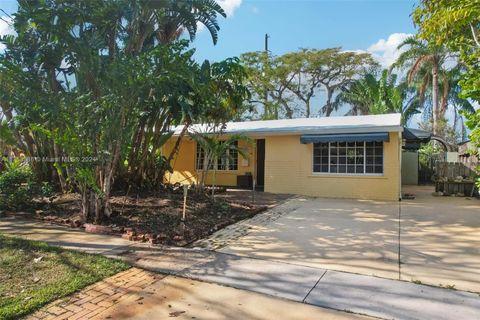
(291, 24)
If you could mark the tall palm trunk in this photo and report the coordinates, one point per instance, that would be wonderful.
(435, 106)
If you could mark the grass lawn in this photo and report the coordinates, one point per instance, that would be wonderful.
(33, 274)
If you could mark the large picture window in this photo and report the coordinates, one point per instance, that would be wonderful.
(348, 157)
(227, 162)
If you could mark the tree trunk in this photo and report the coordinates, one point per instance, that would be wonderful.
(7, 111)
(24, 140)
(435, 106)
(101, 206)
(307, 108)
(87, 203)
(94, 207)
(328, 105)
(58, 154)
(455, 119)
(288, 111)
(214, 183)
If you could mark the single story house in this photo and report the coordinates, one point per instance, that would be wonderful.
(341, 157)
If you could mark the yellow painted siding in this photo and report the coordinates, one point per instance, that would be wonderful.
(184, 165)
(288, 169)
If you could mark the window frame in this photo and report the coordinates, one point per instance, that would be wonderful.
(318, 173)
(215, 166)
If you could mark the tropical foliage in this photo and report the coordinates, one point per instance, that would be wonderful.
(217, 148)
(424, 63)
(424, 80)
(378, 95)
(103, 83)
(90, 91)
(7, 140)
(456, 25)
(286, 85)
(16, 185)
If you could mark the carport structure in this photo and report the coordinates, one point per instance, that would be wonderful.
(415, 137)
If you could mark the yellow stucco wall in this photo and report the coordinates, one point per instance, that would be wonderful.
(288, 169)
(184, 165)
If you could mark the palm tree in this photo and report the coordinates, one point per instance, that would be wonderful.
(369, 95)
(185, 15)
(452, 99)
(150, 22)
(359, 94)
(425, 67)
(215, 148)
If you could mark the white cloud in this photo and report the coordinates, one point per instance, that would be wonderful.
(230, 6)
(386, 51)
(5, 28)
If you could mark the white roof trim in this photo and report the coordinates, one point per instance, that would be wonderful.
(346, 124)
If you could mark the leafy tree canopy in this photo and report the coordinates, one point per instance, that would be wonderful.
(456, 24)
(285, 85)
(102, 84)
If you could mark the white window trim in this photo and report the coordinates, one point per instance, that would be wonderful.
(330, 174)
(215, 168)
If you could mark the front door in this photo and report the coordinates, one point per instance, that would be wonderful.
(260, 162)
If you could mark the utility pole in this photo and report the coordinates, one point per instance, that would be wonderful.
(267, 111)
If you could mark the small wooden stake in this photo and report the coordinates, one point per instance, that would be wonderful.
(185, 192)
(253, 191)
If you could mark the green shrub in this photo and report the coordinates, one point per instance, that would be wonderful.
(47, 190)
(16, 185)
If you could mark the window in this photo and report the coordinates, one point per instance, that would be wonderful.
(348, 157)
(227, 162)
(201, 158)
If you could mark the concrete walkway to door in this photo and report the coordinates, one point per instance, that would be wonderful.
(437, 241)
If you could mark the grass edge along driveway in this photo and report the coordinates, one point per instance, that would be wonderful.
(33, 274)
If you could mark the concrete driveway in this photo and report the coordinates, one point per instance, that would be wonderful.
(440, 240)
(432, 240)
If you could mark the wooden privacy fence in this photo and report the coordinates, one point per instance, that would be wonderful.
(452, 170)
(454, 178)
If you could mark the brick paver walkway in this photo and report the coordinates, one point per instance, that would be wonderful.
(93, 300)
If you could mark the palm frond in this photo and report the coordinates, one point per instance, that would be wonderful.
(417, 65)
(186, 15)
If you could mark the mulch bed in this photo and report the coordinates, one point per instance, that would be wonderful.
(154, 218)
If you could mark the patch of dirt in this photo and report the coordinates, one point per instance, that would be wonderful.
(156, 218)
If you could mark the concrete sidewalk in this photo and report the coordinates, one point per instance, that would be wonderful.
(343, 291)
(378, 297)
(68, 238)
(143, 295)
